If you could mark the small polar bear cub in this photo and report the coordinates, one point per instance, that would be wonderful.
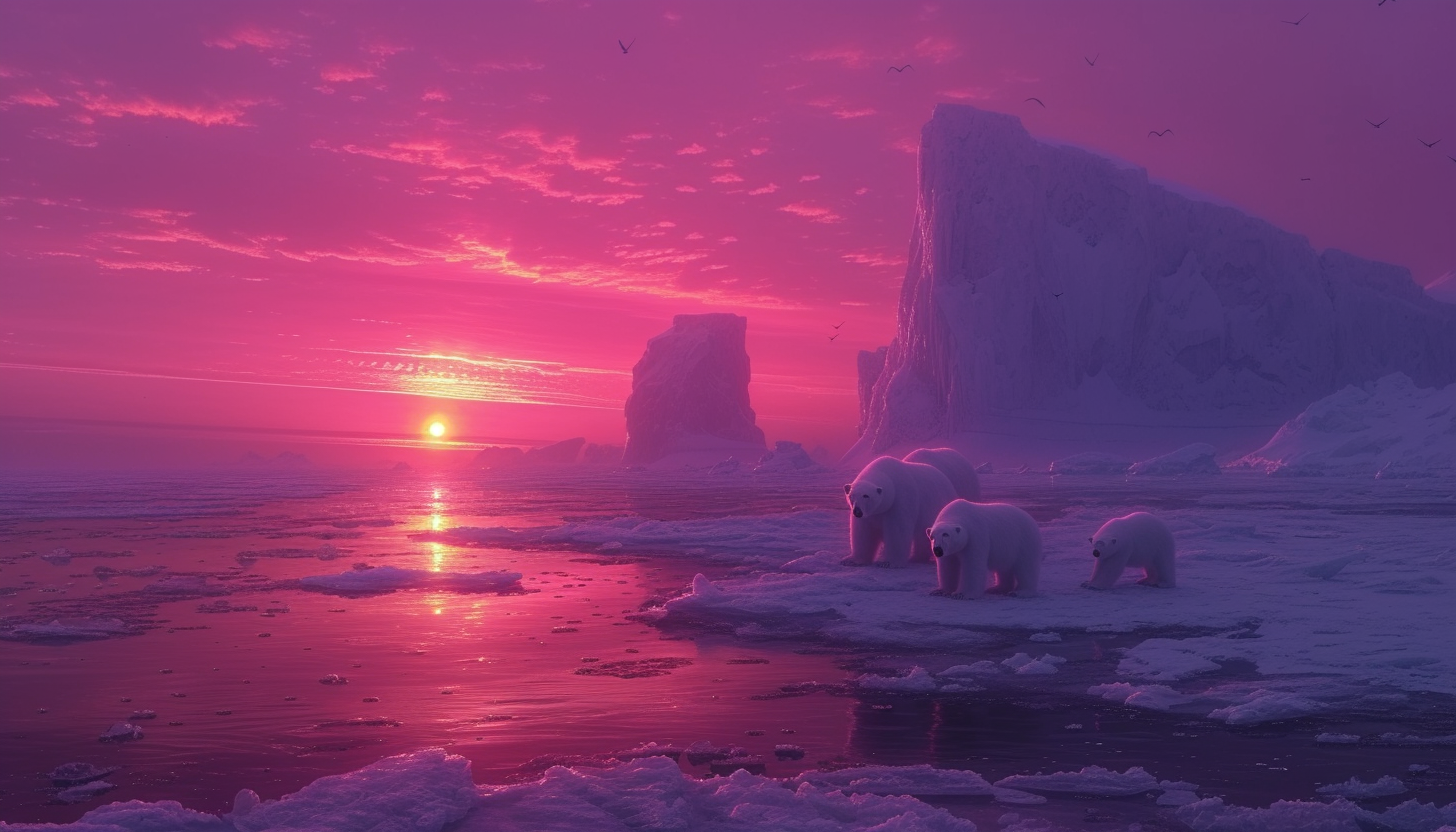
(891, 501)
(1137, 540)
(971, 539)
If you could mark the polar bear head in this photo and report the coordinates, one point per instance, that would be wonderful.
(1110, 557)
(947, 538)
(869, 497)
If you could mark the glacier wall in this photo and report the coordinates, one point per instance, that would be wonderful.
(1047, 280)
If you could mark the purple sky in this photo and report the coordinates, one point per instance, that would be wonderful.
(359, 217)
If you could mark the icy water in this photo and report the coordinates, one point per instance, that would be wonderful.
(179, 595)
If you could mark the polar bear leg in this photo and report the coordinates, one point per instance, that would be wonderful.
(896, 542)
(864, 539)
(973, 574)
(948, 570)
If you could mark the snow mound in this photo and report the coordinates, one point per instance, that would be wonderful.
(1340, 815)
(390, 578)
(1388, 428)
(1090, 463)
(1190, 459)
(918, 680)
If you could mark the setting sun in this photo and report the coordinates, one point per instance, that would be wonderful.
(437, 429)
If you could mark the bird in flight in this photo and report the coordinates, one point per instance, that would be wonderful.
(900, 68)
(1057, 294)
(1373, 124)
(1304, 178)
(1043, 106)
(1431, 144)
(1381, 3)
(832, 337)
(1156, 133)
(840, 324)
(626, 47)
(1295, 22)
(1091, 61)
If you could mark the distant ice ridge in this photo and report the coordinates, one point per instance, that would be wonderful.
(1389, 428)
(1050, 281)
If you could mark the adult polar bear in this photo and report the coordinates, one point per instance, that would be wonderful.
(971, 539)
(957, 469)
(892, 500)
(1137, 540)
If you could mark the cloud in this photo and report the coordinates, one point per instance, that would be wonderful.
(812, 212)
(343, 73)
(871, 258)
(146, 265)
(849, 56)
(229, 113)
(687, 189)
(33, 98)
(766, 189)
(970, 94)
(860, 113)
(725, 178)
(256, 37)
(435, 95)
(809, 177)
(692, 150)
(938, 49)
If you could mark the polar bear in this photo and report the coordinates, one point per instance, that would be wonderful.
(957, 469)
(891, 501)
(970, 539)
(1139, 540)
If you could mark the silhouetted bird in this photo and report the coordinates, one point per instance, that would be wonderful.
(1295, 22)
(832, 337)
(1091, 61)
(1156, 133)
(626, 47)
(1037, 100)
(1373, 124)
(1381, 3)
(840, 324)
(1057, 294)
(900, 68)
(1304, 179)
(1429, 144)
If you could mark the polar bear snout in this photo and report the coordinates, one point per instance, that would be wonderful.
(1096, 553)
(937, 551)
(858, 512)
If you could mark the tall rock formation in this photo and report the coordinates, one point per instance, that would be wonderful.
(690, 391)
(1048, 281)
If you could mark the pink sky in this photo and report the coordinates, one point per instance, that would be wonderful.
(354, 218)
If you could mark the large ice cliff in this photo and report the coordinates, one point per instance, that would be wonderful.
(1049, 282)
(690, 392)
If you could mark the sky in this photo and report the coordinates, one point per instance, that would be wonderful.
(338, 222)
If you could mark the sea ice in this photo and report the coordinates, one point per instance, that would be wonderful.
(84, 792)
(74, 774)
(918, 680)
(1197, 458)
(69, 629)
(122, 732)
(1092, 781)
(1357, 789)
(1092, 462)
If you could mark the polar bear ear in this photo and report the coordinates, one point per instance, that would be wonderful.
(1090, 540)
(930, 533)
(958, 528)
(879, 490)
(848, 487)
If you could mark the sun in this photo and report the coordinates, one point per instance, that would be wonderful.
(437, 429)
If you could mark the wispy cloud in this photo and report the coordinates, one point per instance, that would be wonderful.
(809, 211)
(344, 73)
(692, 150)
(227, 113)
(257, 37)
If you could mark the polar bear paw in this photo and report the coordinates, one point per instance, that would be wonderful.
(850, 561)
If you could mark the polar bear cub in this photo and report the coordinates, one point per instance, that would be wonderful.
(1139, 540)
(957, 469)
(971, 539)
(892, 500)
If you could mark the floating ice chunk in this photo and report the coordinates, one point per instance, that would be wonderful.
(1191, 459)
(651, 749)
(1392, 738)
(918, 680)
(1337, 739)
(1092, 781)
(122, 732)
(390, 578)
(74, 774)
(145, 713)
(703, 751)
(1091, 463)
(984, 667)
(789, 752)
(84, 792)
(185, 585)
(1177, 797)
(1357, 789)
(917, 780)
(1267, 706)
(57, 557)
(419, 792)
(333, 679)
(136, 816)
(1044, 666)
(69, 629)
(1046, 638)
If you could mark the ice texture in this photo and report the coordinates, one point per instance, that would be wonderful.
(786, 458)
(419, 792)
(1047, 281)
(389, 578)
(1091, 462)
(690, 391)
(75, 629)
(1388, 428)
